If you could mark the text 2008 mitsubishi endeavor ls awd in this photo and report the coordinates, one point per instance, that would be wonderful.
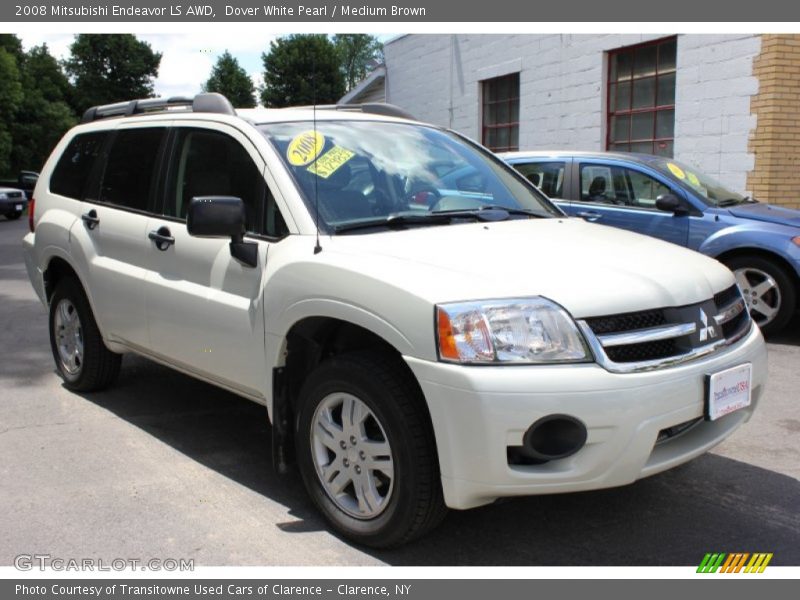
(425, 329)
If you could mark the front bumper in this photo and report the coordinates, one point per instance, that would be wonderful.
(478, 412)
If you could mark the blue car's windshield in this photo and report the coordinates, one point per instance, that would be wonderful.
(364, 171)
(711, 191)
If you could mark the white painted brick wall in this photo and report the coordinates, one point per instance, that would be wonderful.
(562, 105)
(712, 104)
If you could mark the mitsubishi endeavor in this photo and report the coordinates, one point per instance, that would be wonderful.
(424, 327)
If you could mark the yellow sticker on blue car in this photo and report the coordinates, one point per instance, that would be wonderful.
(330, 162)
(676, 170)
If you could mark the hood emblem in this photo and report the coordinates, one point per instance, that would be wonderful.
(706, 331)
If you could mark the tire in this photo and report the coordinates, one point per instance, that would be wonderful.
(82, 359)
(400, 467)
(765, 285)
(13, 216)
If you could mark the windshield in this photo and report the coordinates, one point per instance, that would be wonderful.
(373, 172)
(707, 188)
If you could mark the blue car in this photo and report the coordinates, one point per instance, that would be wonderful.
(665, 198)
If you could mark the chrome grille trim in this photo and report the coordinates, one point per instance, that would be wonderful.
(730, 312)
(640, 336)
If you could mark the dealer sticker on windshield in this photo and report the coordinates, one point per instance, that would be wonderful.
(728, 391)
(330, 162)
(305, 147)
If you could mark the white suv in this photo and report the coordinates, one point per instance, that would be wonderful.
(425, 329)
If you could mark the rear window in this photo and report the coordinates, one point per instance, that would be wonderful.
(71, 175)
(130, 168)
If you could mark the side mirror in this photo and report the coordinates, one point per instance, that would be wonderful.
(671, 203)
(222, 216)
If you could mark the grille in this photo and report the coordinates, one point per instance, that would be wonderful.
(650, 336)
(14, 194)
(627, 321)
(643, 352)
(725, 297)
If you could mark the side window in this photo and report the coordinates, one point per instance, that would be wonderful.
(620, 186)
(645, 189)
(210, 163)
(71, 175)
(130, 167)
(547, 176)
(597, 184)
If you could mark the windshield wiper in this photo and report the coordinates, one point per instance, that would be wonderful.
(731, 202)
(439, 217)
(395, 221)
(493, 208)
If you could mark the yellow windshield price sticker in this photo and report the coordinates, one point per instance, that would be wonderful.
(305, 147)
(330, 162)
(693, 179)
(676, 170)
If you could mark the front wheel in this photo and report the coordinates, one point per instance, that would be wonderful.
(769, 291)
(366, 452)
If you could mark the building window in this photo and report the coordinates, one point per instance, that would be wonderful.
(501, 113)
(641, 98)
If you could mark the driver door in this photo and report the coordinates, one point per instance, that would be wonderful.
(625, 197)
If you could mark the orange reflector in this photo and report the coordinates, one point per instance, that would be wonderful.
(796, 240)
(447, 343)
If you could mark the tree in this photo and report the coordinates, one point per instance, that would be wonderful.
(44, 114)
(110, 68)
(231, 80)
(10, 96)
(358, 54)
(301, 69)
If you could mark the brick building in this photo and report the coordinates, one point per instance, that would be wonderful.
(727, 103)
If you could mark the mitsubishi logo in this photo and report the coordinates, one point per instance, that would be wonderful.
(706, 331)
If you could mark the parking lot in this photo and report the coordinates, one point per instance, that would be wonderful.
(164, 466)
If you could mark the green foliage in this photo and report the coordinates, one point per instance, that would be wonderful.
(44, 114)
(358, 53)
(109, 68)
(301, 69)
(231, 80)
(10, 99)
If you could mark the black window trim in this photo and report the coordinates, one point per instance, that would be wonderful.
(91, 177)
(168, 164)
(103, 162)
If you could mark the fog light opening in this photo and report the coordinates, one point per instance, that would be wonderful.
(554, 436)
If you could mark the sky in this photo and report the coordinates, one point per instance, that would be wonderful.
(187, 58)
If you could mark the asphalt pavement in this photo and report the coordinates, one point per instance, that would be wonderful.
(164, 466)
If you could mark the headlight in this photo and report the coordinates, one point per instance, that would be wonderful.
(517, 330)
(3, 196)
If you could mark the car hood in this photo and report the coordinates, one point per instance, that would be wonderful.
(768, 213)
(589, 269)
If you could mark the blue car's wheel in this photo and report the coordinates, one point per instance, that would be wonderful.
(768, 290)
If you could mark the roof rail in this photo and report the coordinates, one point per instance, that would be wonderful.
(375, 108)
(206, 102)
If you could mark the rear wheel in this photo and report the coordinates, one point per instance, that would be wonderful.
(769, 291)
(81, 356)
(366, 452)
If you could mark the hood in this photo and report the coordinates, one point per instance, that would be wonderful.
(589, 269)
(769, 213)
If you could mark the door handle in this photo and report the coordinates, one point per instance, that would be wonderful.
(90, 218)
(162, 238)
(589, 215)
